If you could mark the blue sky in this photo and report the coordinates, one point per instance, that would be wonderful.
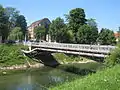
(106, 12)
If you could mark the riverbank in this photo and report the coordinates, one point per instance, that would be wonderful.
(107, 79)
(11, 58)
(11, 55)
(18, 67)
(71, 59)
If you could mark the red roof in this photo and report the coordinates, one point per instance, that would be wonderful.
(117, 35)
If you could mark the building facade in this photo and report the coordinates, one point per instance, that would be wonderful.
(43, 22)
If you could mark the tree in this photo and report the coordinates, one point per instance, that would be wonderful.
(40, 32)
(87, 34)
(3, 24)
(68, 36)
(21, 22)
(76, 18)
(106, 37)
(57, 29)
(16, 34)
(91, 22)
(12, 15)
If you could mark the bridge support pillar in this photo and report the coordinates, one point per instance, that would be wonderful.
(30, 48)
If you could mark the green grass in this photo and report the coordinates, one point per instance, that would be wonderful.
(12, 55)
(108, 79)
(63, 58)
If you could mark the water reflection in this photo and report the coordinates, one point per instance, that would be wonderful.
(36, 79)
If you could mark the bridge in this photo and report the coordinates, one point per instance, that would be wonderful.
(43, 51)
(100, 51)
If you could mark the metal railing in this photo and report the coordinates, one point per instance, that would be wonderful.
(76, 47)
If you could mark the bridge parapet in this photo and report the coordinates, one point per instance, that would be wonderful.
(78, 47)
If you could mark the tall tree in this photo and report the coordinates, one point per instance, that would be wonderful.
(76, 18)
(16, 34)
(12, 14)
(57, 29)
(106, 37)
(87, 34)
(3, 24)
(40, 33)
(21, 22)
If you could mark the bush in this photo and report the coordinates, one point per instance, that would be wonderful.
(11, 55)
(114, 57)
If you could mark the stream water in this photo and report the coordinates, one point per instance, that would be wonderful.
(40, 79)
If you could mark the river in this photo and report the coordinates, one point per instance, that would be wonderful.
(39, 79)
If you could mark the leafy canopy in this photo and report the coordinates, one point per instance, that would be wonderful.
(57, 29)
(106, 37)
(40, 32)
(16, 34)
(87, 34)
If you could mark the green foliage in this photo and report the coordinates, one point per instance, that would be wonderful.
(82, 72)
(87, 34)
(9, 19)
(11, 55)
(106, 37)
(114, 57)
(68, 36)
(16, 34)
(12, 15)
(76, 18)
(63, 58)
(57, 29)
(40, 32)
(3, 24)
(107, 79)
(21, 22)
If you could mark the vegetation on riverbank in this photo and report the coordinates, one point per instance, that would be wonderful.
(114, 57)
(107, 79)
(12, 55)
(65, 59)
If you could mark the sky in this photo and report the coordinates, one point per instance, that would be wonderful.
(106, 12)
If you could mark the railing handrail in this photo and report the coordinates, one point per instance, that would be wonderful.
(78, 47)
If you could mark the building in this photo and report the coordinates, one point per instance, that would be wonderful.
(43, 22)
(117, 36)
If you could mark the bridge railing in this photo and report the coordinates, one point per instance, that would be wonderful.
(77, 47)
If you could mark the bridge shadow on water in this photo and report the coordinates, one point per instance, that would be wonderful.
(48, 59)
(43, 57)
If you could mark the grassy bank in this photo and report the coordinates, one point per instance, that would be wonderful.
(108, 79)
(12, 55)
(63, 58)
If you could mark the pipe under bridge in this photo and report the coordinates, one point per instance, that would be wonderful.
(100, 51)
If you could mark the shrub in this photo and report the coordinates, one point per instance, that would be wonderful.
(114, 57)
